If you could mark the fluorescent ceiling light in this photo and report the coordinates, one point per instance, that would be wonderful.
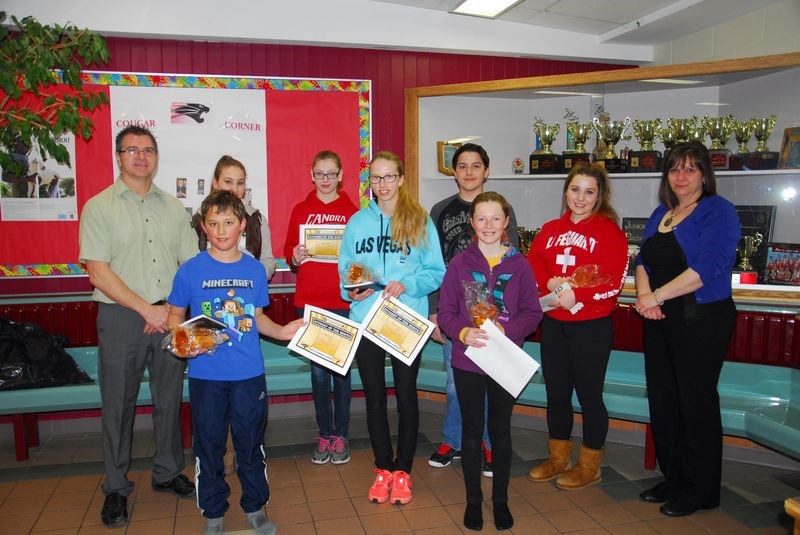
(675, 81)
(489, 9)
(573, 93)
(711, 104)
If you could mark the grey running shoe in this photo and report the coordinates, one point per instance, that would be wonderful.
(340, 450)
(322, 453)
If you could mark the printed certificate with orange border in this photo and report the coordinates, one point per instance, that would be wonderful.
(397, 329)
(327, 339)
(322, 242)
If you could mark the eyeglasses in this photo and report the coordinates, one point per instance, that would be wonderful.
(387, 178)
(330, 175)
(135, 151)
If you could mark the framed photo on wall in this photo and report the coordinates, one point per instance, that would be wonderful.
(790, 149)
(783, 264)
(633, 227)
(444, 156)
(761, 219)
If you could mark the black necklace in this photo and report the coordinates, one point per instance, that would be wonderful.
(673, 215)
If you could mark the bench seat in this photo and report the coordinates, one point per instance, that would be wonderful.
(757, 401)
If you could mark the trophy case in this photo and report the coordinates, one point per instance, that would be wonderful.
(637, 114)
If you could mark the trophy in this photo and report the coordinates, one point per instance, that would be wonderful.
(742, 131)
(526, 237)
(611, 132)
(685, 130)
(667, 136)
(547, 134)
(762, 157)
(747, 247)
(719, 130)
(646, 160)
(544, 160)
(578, 133)
(762, 129)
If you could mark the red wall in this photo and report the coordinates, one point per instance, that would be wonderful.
(391, 72)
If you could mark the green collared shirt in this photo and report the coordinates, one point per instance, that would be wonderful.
(142, 238)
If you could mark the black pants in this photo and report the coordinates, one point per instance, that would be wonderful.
(371, 361)
(683, 360)
(575, 356)
(472, 389)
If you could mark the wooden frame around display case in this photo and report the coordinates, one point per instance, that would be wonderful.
(425, 107)
(790, 149)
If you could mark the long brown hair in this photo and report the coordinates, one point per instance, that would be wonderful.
(693, 152)
(410, 218)
(598, 172)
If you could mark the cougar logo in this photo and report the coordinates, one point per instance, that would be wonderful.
(182, 111)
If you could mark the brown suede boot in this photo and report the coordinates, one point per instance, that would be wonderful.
(583, 474)
(560, 460)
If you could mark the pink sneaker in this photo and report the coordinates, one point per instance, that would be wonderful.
(379, 491)
(401, 488)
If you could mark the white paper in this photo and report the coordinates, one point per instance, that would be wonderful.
(328, 339)
(397, 329)
(544, 301)
(503, 360)
(327, 240)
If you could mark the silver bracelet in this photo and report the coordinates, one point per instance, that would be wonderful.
(659, 302)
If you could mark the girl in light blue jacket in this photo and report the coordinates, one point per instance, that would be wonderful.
(395, 239)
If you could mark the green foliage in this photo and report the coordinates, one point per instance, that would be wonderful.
(34, 57)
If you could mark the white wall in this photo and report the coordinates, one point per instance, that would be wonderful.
(771, 30)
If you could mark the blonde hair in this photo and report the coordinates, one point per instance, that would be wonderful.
(410, 218)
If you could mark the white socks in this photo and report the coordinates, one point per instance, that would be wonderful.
(214, 526)
(258, 521)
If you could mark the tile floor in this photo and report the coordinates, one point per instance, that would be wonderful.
(57, 491)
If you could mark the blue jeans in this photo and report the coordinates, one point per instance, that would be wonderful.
(451, 427)
(321, 379)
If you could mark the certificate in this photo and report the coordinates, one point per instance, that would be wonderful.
(396, 328)
(327, 339)
(503, 360)
(322, 242)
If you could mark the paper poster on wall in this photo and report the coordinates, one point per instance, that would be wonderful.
(197, 119)
(194, 127)
(45, 192)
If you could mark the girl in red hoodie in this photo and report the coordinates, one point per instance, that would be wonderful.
(318, 285)
(577, 329)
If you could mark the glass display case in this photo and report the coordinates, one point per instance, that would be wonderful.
(500, 115)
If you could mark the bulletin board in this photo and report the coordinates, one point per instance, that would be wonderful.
(275, 126)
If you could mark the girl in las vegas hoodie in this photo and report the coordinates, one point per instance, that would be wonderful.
(395, 239)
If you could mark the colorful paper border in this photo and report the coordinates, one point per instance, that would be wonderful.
(362, 87)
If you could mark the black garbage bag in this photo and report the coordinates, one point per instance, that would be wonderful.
(32, 358)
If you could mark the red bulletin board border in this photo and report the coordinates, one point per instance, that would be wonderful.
(289, 154)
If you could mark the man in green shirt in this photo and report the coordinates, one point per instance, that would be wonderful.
(133, 235)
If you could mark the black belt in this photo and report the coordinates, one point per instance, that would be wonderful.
(160, 302)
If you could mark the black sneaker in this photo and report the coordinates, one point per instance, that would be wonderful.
(115, 510)
(443, 456)
(180, 486)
